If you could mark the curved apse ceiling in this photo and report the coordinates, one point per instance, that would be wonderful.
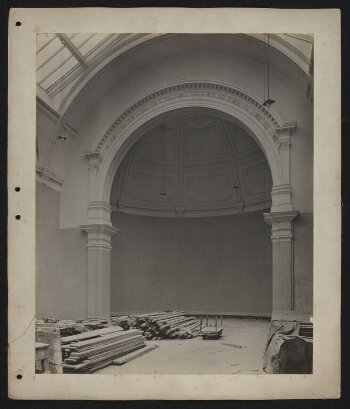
(65, 61)
(195, 165)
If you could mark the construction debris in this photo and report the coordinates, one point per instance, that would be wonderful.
(65, 327)
(233, 345)
(166, 324)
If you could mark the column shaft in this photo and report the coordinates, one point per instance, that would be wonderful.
(98, 269)
(282, 260)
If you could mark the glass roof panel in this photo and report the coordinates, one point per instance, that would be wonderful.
(81, 39)
(48, 52)
(59, 73)
(96, 40)
(53, 64)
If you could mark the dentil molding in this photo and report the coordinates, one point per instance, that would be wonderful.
(191, 90)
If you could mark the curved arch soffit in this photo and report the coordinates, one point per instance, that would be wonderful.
(234, 104)
(96, 70)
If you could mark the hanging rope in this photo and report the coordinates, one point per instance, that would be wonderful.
(163, 189)
(268, 102)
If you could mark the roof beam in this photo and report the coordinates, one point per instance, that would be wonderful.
(73, 49)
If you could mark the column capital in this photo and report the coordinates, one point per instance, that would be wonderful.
(99, 213)
(283, 133)
(94, 159)
(281, 198)
(99, 235)
(277, 217)
(282, 225)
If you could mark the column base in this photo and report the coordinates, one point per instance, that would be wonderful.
(291, 316)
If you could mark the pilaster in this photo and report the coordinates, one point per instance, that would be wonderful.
(282, 259)
(98, 268)
(282, 139)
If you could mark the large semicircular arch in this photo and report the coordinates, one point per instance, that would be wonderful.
(222, 99)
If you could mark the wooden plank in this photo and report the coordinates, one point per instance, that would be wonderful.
(88, 363)
(80, 355)
(129, 357)
(105, 338)
(90, 334)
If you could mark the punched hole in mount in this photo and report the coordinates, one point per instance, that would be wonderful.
(19, 376)
(18, 216)
(18, 23)
(17, 189)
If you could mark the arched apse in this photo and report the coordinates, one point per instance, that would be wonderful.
(268, 131)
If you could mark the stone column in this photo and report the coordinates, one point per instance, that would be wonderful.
(98, 268)
(282, 260)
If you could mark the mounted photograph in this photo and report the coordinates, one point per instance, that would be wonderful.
(174, 223)
(174, 203)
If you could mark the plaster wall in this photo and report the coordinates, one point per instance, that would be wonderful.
(60, 261)
(168, 259)
(303, 263)
(48, 254)
(73, 286)
(217, 265)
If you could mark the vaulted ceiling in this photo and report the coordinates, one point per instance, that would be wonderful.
(194, 165)
(65, 61)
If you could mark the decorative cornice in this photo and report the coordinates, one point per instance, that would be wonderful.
(282, 225)
(46, 109)
(189, 90)
(277, 217)
(99, 228)
(48, 178)
(99, 235)
(239, 208)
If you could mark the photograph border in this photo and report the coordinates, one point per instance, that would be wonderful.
(325, 25)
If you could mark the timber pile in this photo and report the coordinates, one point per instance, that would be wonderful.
(168, 324)
(94, 323)
(124, 322)
(93, 350)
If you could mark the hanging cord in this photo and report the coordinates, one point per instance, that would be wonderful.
(268, 66)
(62, 121)
(268, 102)
(163, 190)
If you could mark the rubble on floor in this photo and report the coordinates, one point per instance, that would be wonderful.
(289, 349)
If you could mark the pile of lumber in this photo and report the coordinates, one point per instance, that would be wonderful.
(94, 323)
(124, 322)
(93, 350)
(168, 324)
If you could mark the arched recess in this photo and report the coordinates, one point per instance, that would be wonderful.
(269, 131)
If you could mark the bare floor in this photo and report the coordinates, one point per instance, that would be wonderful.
(239, 351)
